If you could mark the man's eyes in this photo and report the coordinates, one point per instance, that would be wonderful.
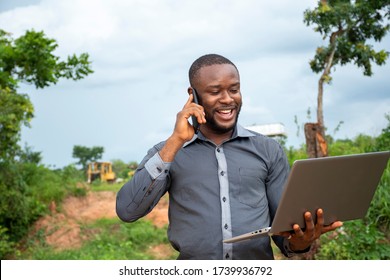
(215, 92)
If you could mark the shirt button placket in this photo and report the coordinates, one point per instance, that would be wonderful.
(225, 205)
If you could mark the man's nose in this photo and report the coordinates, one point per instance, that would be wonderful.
(226, 97)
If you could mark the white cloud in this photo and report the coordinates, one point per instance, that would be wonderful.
(141, 51)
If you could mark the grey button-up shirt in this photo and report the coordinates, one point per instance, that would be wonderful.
(215, 192)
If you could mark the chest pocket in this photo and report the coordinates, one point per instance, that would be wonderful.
(252, 187)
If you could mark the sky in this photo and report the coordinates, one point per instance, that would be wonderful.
(141, 52)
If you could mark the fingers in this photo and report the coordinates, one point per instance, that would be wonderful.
(192, 109)
(298, 231)
(332, 226)
(321, 221)
(183, 130)
(320, 217)
(301, 239)
(189, 100)
(311, 232)
(309, 222)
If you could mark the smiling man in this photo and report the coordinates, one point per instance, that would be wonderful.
(222, 181)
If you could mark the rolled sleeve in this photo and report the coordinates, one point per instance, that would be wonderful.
(157, 168)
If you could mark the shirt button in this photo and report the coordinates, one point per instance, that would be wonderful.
(227, 256)
(218, 150)
(224, 199)
(222, 173)
(226, 226)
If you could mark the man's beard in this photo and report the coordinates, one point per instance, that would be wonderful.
(210, 121)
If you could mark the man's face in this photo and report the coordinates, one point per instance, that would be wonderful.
(219, 93)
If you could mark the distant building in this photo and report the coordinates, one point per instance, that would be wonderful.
(271, 130)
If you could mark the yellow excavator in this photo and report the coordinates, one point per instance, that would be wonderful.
(100, 170)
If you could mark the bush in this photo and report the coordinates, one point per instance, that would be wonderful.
(6, 246)
(357, 240)
(367, 239)
(26, 190)
(108, 239)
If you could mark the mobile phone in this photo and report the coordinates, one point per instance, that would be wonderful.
(195, 123)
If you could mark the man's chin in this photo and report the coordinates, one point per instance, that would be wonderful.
(223, 128)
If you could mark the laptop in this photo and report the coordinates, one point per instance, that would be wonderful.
(343, 186)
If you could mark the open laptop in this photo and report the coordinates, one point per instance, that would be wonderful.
(343, 186)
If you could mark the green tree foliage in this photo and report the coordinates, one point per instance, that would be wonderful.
(30, 59)
(86, 155)
(30, 156)
(15, 110)
(27, 187)
(383, 141)
(349, 27)
(122, 169)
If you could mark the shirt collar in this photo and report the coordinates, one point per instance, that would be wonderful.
(239, 131)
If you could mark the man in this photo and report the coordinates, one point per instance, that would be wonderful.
(223, 180)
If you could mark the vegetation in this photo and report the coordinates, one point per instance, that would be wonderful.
(30, 59)
(26, 186)
(368, 238)
(86, 155)
(348, 26)
(110, 240)
(29, 189)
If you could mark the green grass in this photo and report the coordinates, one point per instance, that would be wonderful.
(98, 186)
(107, 239)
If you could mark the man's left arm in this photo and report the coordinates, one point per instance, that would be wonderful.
(278, 172)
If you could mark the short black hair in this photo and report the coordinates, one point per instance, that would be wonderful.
(206, 60)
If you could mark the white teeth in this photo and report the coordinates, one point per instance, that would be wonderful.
(225, 111)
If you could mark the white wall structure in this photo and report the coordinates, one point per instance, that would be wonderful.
(271, 130)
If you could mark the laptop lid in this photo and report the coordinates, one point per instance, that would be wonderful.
(343, 186)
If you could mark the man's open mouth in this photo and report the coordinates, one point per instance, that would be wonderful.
(226, 114)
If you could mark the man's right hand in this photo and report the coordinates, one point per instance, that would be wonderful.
(183, 131)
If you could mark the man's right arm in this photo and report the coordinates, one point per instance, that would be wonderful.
(150, 182)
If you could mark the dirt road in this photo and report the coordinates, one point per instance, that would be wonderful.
(62, 229)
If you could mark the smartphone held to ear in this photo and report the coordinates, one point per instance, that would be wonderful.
(195, 123)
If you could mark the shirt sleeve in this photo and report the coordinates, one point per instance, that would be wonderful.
(290, 253)
(277, 177)
(150, 182)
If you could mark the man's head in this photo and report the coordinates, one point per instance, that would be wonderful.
(206, 60)
(217, 81)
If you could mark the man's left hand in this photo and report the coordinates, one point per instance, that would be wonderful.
(300, 240)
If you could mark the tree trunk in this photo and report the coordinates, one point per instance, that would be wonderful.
(316, 145)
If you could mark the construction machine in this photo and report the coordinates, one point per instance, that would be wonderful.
(100, 170)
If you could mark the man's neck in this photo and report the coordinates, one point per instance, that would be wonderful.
(215, 137)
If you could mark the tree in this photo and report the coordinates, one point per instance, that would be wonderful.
(29, 59)
(348, 26)
(15, 110)
(86, 155)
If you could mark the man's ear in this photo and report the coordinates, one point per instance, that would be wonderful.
(189, 90)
